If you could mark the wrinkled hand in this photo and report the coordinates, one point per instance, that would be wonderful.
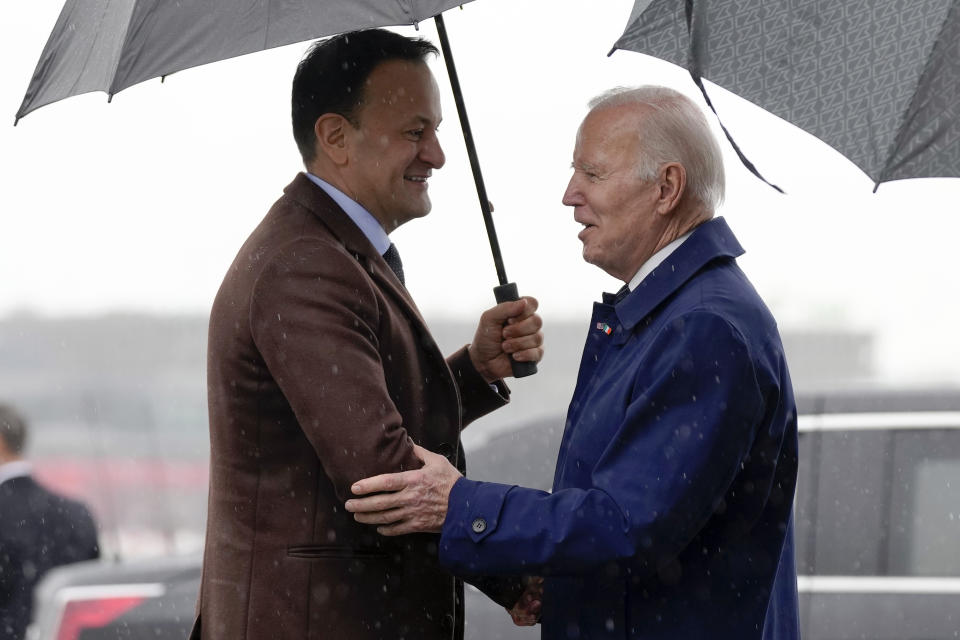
(526, 611)
(508, 330)
(416, 502)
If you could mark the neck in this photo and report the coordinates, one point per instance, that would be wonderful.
(683, 222)
(335, 179)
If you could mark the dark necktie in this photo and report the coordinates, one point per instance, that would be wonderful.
(392, 258)
(623, 293)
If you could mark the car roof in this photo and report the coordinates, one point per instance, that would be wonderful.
(879, 400)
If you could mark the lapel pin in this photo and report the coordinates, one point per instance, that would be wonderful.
(603, 326)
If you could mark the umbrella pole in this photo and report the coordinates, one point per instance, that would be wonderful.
(507, 291)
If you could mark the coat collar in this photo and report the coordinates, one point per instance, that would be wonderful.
(306, 193)
(303, 191)
(711, 240)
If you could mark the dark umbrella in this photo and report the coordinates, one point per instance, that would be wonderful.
(110, 45)
(879, 81)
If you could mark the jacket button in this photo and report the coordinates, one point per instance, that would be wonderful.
(479, 525)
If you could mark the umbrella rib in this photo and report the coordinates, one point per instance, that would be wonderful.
(698, 80)
(910, 111)
(116, 65)
(126, 34)
(694, 67)
(266, 31)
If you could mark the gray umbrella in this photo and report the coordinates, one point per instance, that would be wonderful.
(878, 80)
(110, 45)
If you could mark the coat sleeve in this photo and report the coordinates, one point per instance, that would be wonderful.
(477, 397)
(314, 317)
(687, 426)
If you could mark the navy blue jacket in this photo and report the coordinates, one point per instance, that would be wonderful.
(670, 515)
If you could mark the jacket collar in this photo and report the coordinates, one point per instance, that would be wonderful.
(316, 200)
(711, 240)
(15, 469)
(305, 192)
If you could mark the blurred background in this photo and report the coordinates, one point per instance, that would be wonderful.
(118, 221)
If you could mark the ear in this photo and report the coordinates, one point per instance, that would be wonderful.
(673, 183)
(330, 130)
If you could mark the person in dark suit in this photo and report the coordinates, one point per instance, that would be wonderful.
(321, 371)
(671, 510)
(39, 530)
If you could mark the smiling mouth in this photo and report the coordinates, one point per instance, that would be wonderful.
(418, 179)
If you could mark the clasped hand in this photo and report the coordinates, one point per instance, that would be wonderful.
(409, 501)
(416, 502)
(508, 330)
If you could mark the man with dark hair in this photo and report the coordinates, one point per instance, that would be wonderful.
(671, 510)
(39, 530)
(321, 370)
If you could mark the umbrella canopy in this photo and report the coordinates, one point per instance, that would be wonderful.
(878, 80)
(109, 45)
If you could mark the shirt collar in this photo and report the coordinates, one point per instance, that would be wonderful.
(15, 469)
(654, 261)
(361, 217)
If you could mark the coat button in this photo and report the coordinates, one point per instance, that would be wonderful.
(479, 525)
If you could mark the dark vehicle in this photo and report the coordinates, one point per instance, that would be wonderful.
(877, 520)
(110, 601)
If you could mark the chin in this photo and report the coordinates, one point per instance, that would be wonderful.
(411, 214)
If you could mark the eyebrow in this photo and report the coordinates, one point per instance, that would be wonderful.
(425, 121)
(584, 166)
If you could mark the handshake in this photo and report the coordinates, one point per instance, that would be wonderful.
(526, 612)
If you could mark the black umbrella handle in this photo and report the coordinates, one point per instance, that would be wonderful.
(508, 293)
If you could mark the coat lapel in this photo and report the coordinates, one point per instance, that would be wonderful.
(316, 200)
(710, 241)
(343, 228)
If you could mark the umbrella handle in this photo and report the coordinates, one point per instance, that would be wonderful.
(508, 293)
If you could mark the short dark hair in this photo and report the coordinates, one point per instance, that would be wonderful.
(332, 74)
(13, 429)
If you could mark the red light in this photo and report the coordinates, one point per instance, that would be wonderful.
(91, 614)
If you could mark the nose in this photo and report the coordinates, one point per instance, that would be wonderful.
(432, 153)
(572, 197)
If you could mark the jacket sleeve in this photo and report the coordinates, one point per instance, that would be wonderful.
(476, 396)
(687, 426)
(314, 317)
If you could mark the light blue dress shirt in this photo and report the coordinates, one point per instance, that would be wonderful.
(361, 217)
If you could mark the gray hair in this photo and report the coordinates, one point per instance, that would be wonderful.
(673, 130)
(13, 429)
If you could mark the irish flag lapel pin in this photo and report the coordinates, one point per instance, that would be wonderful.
(603, 326)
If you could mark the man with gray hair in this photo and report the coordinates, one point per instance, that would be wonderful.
(670, 515)
(39, 530)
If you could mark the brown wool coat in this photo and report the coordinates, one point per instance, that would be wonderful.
(321, 372)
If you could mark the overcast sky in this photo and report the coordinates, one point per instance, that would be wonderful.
(141, 204)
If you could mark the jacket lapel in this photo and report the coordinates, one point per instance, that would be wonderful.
(315, 199)
(710, 241)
